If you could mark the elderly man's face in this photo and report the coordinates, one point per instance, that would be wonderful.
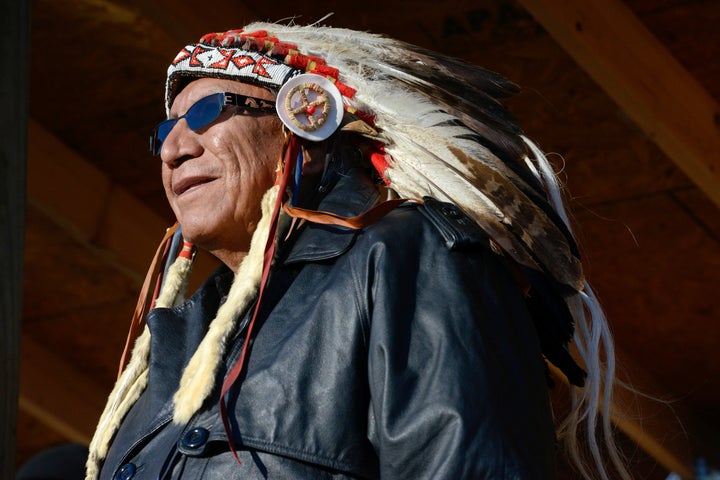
(215, 177)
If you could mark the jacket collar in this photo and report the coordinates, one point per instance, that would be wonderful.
(352, 194)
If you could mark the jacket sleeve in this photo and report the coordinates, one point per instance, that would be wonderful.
(457, 380)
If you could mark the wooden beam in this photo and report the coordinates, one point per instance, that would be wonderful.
(609, 42)
(57, 394)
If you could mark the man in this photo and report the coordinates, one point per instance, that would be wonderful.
(347, 335)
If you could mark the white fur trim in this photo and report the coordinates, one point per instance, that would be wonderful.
(200, 375)
(175, 284)
(127, 390)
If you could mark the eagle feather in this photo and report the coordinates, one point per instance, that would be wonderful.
(450, 137)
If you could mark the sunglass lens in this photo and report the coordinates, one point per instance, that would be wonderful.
(200, 115)
(161, 133)
(205, 111)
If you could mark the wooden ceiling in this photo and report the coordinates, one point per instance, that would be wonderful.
(624, 96)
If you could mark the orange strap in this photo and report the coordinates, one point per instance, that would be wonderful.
(357, 222)
(146, 298)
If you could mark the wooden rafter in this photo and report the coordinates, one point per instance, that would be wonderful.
(614, 47)
(57, 394)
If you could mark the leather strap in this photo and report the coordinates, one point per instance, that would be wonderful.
(291, 152)
(146, 298)
(357, 222)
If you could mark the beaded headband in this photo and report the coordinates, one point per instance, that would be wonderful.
(252, 57)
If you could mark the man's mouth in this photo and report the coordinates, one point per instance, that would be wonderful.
(190, 183)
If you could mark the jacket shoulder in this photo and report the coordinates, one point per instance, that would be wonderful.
(457, 229)
(452, 227)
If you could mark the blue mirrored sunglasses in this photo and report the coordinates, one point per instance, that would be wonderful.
(205, 111)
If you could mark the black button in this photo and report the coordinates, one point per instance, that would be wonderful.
(126, 472)
(195, 438)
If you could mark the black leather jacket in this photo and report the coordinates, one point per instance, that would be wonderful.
(401, 351)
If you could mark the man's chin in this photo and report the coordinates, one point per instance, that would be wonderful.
(198, 233)
(210, 236)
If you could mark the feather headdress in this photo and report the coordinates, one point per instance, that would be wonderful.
(436, 128)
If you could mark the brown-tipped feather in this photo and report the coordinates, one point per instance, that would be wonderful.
(449, 137)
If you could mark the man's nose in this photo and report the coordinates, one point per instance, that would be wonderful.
(181, 143)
